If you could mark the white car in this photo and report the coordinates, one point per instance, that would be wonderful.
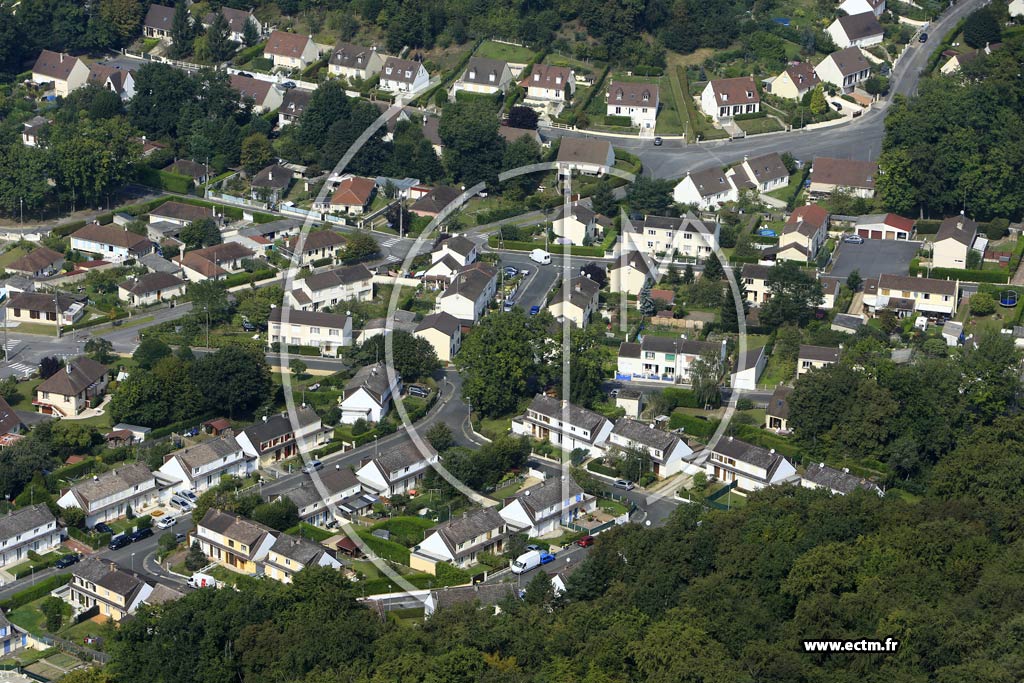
(166, 522)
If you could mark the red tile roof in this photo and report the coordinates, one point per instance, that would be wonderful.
(729, 91)
(354, 191)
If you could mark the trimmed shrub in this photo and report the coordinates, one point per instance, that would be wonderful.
(37, 591)
(751, 116)
(623, 121)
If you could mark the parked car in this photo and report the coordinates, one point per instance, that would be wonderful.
(586, 541)
(167, 522)
(313, 387)
(183, 504)
(923, 38)
(624, 484)
(418, 391)
(533, 546)
(312, 466)
(540, 256)
(546, 557)
(120, 542)
(657, 141)
(188, 494)
(67, 560)
(614, 393)
(288, 85)
(837, 106)
(853, 239)
(180, 538)
(248, 326)
(534, 310)
(102, 528)
(141, 534)
(527, 561)
(510, 271)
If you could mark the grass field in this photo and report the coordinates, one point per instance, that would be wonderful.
(612, 507)
(757, 126)
(506, 53)
(10, 256)
(672, 116)
(407, 531)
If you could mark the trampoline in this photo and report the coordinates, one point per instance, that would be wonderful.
(1008, 298)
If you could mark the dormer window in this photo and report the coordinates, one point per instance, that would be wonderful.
(750, 94)
(388, 70)
(646, 97)
(558, 80)
(472, 75)
(491, 78)
(536, 77)
(725, 97)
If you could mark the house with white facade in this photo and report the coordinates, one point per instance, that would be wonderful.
(461, 540)
(27, 529)
(546, 83)
(662, 359)
(119, 81)
(110, 242)
(706, 189)
(291, 554)
(804, 234)
(576, 301)
(158, 22)
(278, 437)
(483, 76)
(461, 249)
(751, 467)
(844, 69)
(836, 482)
(907, 295)
(200, 467)
(395, 471)
(852, 175)
(369, 393)
(236, 19)
(180, 213)
(661, 236)
(590, 156)
(726, 98)
(763, 173)
(472, 288)
(215, 262)
(953, 242)
(47, 309)
(106, 497)
(812, 357)
(73, 389)
(851, 7)
(579, 225)
(668, 453)
(547, 506)
(320, 290)
(151, 288)
(637, 101)
(856, 30)
(753, 362)
(403, 75)
(354, 61)
(265, 95)
(795, 81)
(67, 73)
(290, 50)
(293, 104)
(563, 424)
(318, 245)
(328, 332)
(335, 492)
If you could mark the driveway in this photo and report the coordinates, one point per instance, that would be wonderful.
(874, 257)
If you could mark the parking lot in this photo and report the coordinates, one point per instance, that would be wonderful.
(874, 257)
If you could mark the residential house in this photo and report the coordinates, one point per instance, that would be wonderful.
(319, 246)
(293, 104)
(354, 62)
(726, 98)
(1016, 8)
(67, 73)
(668, 453)
(291, 554)
(884, 226)
(484, 596)
(751, 467)
(40, 262)
(630, 401)
(856, 177)
(662, 359)
(200, 467)
(352, 196)
(278, 437)
(953, 242)
(108, 496)
(320, 290)
(395, 471)
(957, 60)
(830, 288)
(215, 262)
(234, 542)
(795, 81)
(846, 323)
(756, 281)
(237, 19)
(836, 482)
(73, 389)
(367, 396)
(403, 75)
(265, 95)
(110, 242)
(472, 288)
(547, 506)
(114, 592)
(906, 295)
(585, 155)
(547, 83)
(48, 309)
(576, 302)
(461, 540)
(179, 213)
(401, 321)
(325, 331)
(441, 272)
(852, 7)
(856, 30)
(637, 101)
(434, 202)
(752, 362)
(187, 167)
(580, 225)
(271, 183)
(28, 529)
(290, 50)
(813, 357)
(763, 174)
(631, 273)
(158, 22)
(483, 76)
(444, 332)
(335, 490)
(844, 69)
(659, 236)
(804, 234)
(776, 414)
(113, 78)
(11, 637)
(562, 424)
(461, 250)
(707, 189)
(151, 288)
(32, 130)
(11, 425)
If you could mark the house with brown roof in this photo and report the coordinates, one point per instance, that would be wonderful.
(844, 69)
(755, 280)
(110, 242)
(40, 262)
(215, 262)
(48, 309)
(271, 183)
(67, 73)
(706, 189)
(266, 96)
(854, 176)
(200, 466)
(434, 201)
(113, 78)
(483, 76)
(472, 288)
(856, 30)
(725, 98)
(403, 75)
(795, 81)
(547, 83)
(112, 591)
(396, 469)
(663, 359)
(835, 481)
(290, 50)
(189, 168)
(151, 288)
(291, 554)
(461, 540)
(638, 101)
(352, 196)
(158, 22)
(72, 389)
(108, 496)
(318, 246)
(804, 234)
(180, 213)
(776, 414)
(354, 61)
(585, 155)
(751, 467)
(277, 437)
(954, 241)
(293, 103)
(668, 453)
(237, 19)
(442, 331)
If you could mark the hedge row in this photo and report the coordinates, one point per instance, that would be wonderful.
(249, 53)
(41, 589)
(751, 116)
(485, 217)
(163, 180)
(601, 468)
(70, 472)
(245, 278)
(93, 540)
(927, 227)
(36, 567)
(623, 121)
(66, 229)
(693, 425)
(681, 398)
(388, 550)
(993, 276)
(760, 437)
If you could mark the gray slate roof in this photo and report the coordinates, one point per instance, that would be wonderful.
(959, 228)
(748, 453)
(317, 318)
(778, 404)
(332, 479)
(398, 457)
(234, 527)
(819, 353)
(551, 491)
(467, 527)
(574, 414)
(151, 282)
(339, 276)
(837, 480)
(108, 575)
(372, 378)
(443, 322)
(484, 71)
(112, 482)
(302, 550)
(207, 451)
(24, 521)
(278, 425)
(645, 434)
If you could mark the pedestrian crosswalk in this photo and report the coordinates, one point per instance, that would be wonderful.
(389, 242)
(10, 345)
(20, 369)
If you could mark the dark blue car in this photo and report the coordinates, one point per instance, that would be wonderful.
(534, 310)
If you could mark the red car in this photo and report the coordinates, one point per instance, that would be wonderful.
(585, 542)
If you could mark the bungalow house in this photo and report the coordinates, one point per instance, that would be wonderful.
(237, 19)
(291, 554)
(813, 357)
(113, 78)
(756, 281)
(906, 295)
(40, 262)
(957, 60)
(32, 131)
(576, 302)
(434, 201)
(580, 225)
(484, 596)
(320, 290)
(707, 189)
(585, 155)
(461, 250)
(636, 101)
(836, 482)
(472, 288)
(265, 95)
(48, 309)
(151, 288)
(110, 242)
(271, 183)
(335, 490)
(795, 81)
(319, 245)
(662, 359)
(659, 236)
(214, 263)
(764, 173)
(844, 69)
(293, 104)
(354, 61)
(631, 273)
(234, 542)
(108, 496)
(325, 331)
(191, 169)
(668, 453)
(483, 76)
(28, 529)
(367, 396)
(776, 413)
(67, 73)
(403, 75)
(102, 585)
(73, 389)
(180, 213)
(547, 83)
(856, 30)
(461, 540)
(158, 22)
(562, 424)
(753, 363)
(278, 437)
(352, 196)
(725, 98)
(804, 234)
(851, 7)
(751, 467)
(444, 332)
(395, 471)
(200, 467)
(290, 50)
(547, 506)
(856, 177)
(953, 242)
(884, 226)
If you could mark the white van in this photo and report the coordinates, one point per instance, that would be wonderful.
(526, 562)
(200, 580)
(540, 256)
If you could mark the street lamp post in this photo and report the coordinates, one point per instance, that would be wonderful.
(133, 562)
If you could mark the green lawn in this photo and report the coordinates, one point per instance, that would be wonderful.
(672, 115)
(494, 427)
(757, 126)
(506, 53)
(784, 193)
(506, 491)
(408, 531)
(78, 632)
(29, 617)
(612, 507)
(11, 255)
(778, 370)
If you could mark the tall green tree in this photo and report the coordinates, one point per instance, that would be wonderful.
(182, 32)
(233, 379)
(91, 159)
(473, 150)
(794, 295)
(218, 38)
